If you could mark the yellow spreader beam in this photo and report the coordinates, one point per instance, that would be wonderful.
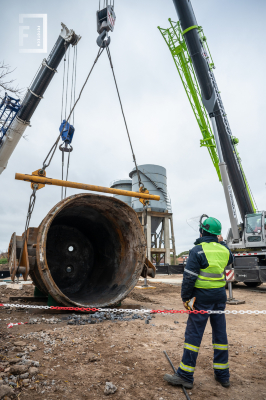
(41, 181)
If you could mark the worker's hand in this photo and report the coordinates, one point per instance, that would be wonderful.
(220, 238)
(185, 305)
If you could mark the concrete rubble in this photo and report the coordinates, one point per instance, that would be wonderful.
(110, 388)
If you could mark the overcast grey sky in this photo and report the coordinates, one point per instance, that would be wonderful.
(161, 122)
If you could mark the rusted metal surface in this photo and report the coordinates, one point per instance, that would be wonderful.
(28, 258)
(12, 259)
(88, 251)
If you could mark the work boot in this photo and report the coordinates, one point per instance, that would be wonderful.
(225, 384)
(176, 380)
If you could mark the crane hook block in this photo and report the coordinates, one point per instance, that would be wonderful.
(67, 133)
(105, 23)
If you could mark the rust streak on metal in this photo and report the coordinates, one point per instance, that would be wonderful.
(89, 250)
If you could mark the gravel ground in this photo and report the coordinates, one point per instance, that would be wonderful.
(60, 355)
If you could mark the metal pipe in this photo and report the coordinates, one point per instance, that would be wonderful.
(230, 290)
(84, 186)
(89, 250)
(170, 362)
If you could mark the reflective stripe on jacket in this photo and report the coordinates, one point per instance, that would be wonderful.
(212, 277)
(197, 262)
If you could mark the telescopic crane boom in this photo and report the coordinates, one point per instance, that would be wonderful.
(12, 135)
(212, 102)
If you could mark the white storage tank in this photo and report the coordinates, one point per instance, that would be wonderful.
(154, 179)
(123, 184)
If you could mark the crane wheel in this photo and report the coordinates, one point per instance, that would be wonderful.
(253, 284)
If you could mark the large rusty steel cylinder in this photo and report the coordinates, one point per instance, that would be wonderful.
(89, 251)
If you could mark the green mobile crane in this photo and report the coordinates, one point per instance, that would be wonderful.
(190, 52)
(175, 41)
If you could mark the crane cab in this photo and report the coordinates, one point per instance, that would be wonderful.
(250, 252)
(255, 230)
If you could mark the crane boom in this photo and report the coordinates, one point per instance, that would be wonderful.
(212, 103)
(34, 95)
(177, 46)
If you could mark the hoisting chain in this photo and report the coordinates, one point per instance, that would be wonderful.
(51, 154)
(30, 210)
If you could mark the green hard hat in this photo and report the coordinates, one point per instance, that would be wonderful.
(212, 225)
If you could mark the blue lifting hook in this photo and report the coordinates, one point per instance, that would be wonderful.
(67, 133)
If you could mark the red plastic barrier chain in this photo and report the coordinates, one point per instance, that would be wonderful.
(11, 324)
(142, 311)
(74, 308)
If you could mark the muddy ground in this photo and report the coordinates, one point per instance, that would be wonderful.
(76, 361)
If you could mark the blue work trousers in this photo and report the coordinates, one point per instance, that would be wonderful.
(194, 332)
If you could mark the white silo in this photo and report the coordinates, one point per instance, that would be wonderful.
(154, 179)
(123, 184)
(160, 231)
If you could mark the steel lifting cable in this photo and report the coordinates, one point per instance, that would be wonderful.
(33, 195)
(66, 96)
(63, 86)
(53, 148)
(67, 80)
(120, 101)
(52, 152)
(62, 106)
(145, 207)
(73, 95)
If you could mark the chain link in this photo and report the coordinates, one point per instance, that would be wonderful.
(29, 213)
(142, 311)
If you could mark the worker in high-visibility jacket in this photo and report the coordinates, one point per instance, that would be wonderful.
(204, 279)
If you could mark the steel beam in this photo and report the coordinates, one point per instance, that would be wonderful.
(84, 186)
